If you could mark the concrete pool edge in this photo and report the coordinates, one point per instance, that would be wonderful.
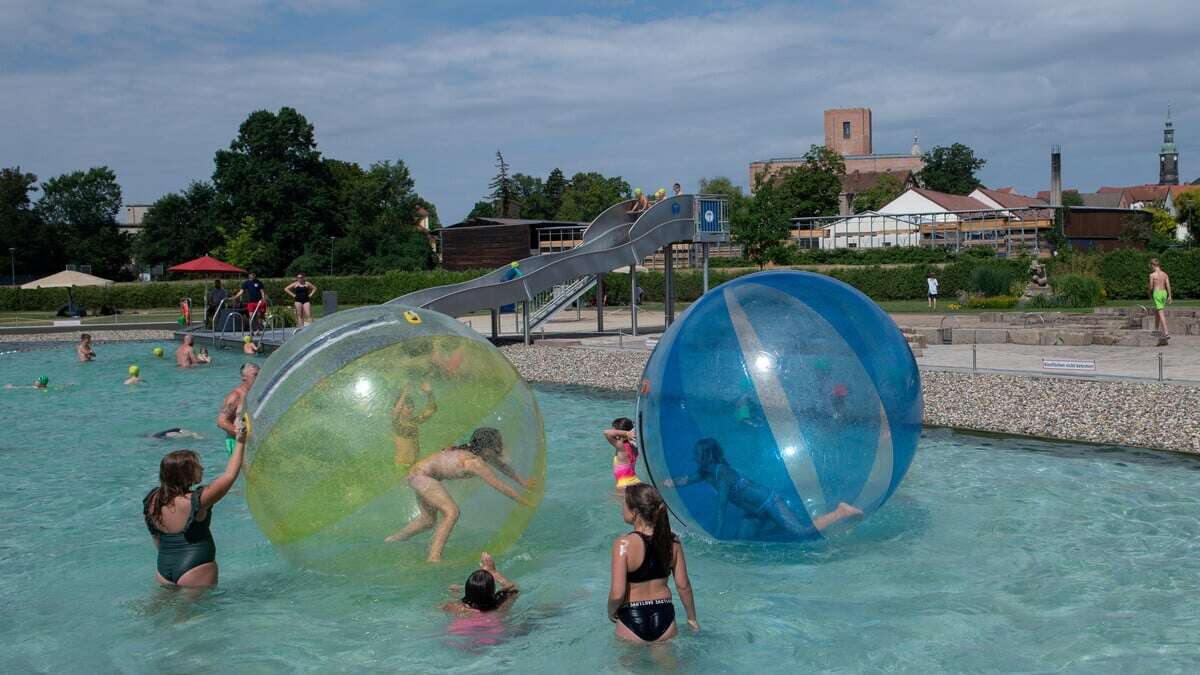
(1103, 412)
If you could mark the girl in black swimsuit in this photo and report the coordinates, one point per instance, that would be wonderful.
(639, 598)
(301, 292)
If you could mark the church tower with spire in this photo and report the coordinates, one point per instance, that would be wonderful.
(1168, 156)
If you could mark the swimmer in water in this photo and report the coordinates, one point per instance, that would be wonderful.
(177, 432)
(185, 355)
(755, 501)
(406, 423)
(234, 403)
(625, 452)
(476, 459)
(134, 376)
(248, 346)
(84, 349)
(479, 612)
(42, 382)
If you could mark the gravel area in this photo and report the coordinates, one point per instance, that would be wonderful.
(1158, 416)
(97, 336)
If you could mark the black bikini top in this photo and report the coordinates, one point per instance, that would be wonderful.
(651, 568)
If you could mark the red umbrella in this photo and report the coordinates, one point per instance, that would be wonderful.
(206, 265)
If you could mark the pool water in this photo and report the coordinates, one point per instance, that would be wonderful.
(996, 554)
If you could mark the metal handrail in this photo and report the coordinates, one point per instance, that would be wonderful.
(225, 327)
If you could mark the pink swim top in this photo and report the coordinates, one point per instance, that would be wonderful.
(479, 628)
(625, 468)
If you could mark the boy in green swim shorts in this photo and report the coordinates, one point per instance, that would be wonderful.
(1160, 291)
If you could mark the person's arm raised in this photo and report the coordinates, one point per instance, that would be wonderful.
(617, 580)
(220, 487)
(684, 585)
(616, 437)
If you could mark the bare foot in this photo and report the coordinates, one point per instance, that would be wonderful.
(399, 536)
(845, 511)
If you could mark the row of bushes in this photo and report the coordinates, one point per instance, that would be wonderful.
(352, 290)
(1124, 273)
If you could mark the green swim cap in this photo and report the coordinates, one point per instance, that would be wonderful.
(514, 264)
(158, 351)
(246, 339)
(637, 191)
(43, 380)
(134, 370)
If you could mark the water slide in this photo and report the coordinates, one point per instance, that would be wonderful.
(616, 238)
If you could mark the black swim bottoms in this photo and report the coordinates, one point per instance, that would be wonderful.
(648, 619)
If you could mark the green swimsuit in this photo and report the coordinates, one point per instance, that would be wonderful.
(181, 551)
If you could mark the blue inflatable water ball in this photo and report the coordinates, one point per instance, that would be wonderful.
(782, 406)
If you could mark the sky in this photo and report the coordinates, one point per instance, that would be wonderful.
(656, 92)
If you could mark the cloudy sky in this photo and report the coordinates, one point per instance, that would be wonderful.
(654, 91)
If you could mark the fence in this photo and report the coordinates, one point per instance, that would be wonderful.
(1006, 231)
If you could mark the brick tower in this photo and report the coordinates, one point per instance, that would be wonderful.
(848, 131)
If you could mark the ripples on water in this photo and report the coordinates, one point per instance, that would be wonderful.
(996, 555)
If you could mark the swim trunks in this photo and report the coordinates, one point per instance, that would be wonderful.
(1160, 299)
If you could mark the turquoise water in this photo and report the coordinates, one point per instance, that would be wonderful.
(995, 555)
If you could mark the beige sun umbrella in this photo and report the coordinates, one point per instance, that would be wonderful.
(67, 279)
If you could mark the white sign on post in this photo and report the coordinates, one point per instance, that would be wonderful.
(1069, 364)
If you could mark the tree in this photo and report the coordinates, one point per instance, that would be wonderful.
(813, 188)
(482, 210)
(589, 194)
(1071, 198)
(530, 197)
(951, 169)
(242, 245)
(82, 208)
(1187, 205)
(179, 227)
(762, 226)
(887, 188)
(503, 190)
(378, 213)
(1153, 228)
(36, 250)
(552, 193)
(272, 172)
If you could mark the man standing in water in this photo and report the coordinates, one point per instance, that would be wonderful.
(84, 348)
(1160, 292)
(235, 402)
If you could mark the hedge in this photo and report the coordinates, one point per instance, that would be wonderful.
(352, 290)
(1125, 272)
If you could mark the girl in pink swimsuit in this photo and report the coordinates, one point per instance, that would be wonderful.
(622, 437)
(476, 459)
(479, 619)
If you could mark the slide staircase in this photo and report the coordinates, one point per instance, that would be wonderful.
(552, 281)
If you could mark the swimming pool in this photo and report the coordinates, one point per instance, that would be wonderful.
(997, 554)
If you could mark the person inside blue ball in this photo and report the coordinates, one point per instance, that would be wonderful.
(756, 502)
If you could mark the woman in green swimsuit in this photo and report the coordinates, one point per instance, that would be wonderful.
(179, 516)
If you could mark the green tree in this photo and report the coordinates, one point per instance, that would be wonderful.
(179, 227)
(242, 245)
(378, 210)
(1072, 198)
(764, 225)
(482, 210)
(887, 188)
(589, 194)
(82, 208)
(273, 173)
(811, 189)
(36, 249)
(951, 169)
(503, 190)
(530, 197)
(552, 193)
(1187, 205)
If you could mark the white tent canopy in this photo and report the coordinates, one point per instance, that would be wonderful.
(66, 279)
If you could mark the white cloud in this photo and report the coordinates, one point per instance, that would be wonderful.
(655, 101)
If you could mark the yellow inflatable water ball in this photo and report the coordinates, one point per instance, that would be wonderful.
(344, 409)
(158, 352)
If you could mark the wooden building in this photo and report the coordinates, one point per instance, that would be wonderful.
(488, 243)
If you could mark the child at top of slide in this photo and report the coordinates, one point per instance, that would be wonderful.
(622, 438)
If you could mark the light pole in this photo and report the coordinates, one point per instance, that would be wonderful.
(12, 262)
(331, 255)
